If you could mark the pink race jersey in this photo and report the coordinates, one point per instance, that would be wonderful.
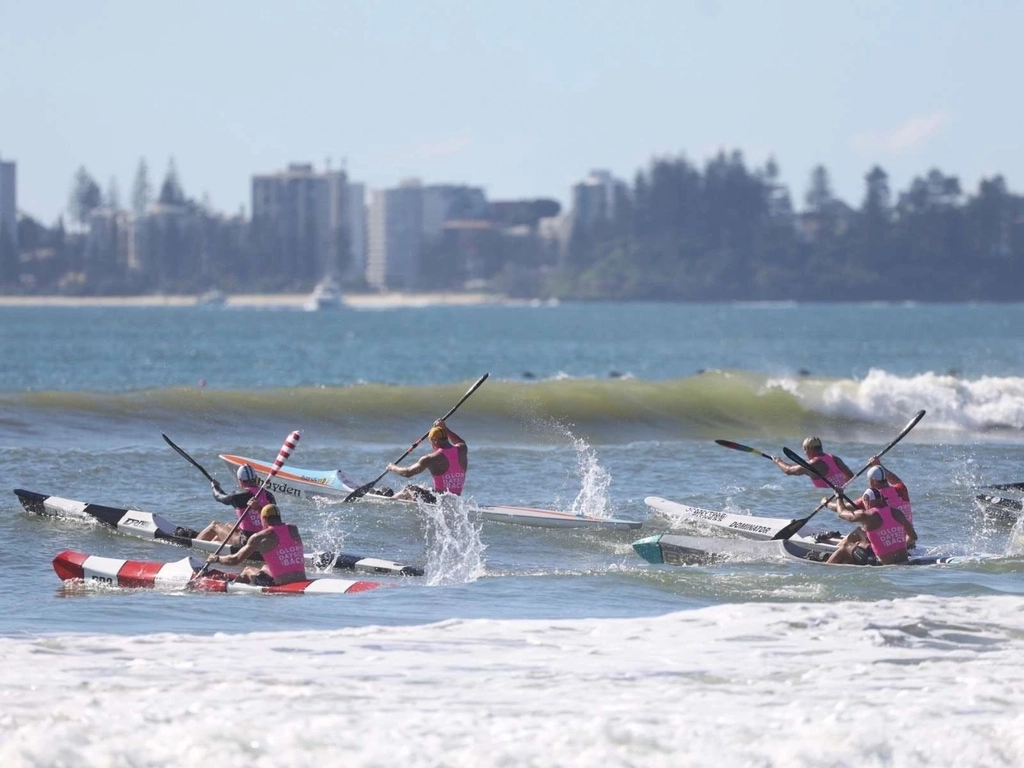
(287, 557)
(251, 520)
(455, 477)
(832, 472)
(889, 537)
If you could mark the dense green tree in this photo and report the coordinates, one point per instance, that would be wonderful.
(113, 196)
(85, 196)
(10, 264)
(819, 194)
(142, 191)
(171, 192)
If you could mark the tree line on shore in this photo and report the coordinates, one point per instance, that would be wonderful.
(678, 232)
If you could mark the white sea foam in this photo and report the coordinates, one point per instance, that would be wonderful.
(952, 403)
(919, 682)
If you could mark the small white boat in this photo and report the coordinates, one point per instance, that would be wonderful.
(326, 295)
(212, 298)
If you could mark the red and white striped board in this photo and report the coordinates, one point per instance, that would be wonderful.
(136, 574)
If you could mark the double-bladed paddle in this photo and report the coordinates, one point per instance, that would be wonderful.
(188, 458)
(282, 456)
(363, 489)
(796, 525)
(741, 447)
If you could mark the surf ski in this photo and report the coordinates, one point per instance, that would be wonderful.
(311, 484)
(147, 525)
(747, 526)
(675, 549)
(139, 574)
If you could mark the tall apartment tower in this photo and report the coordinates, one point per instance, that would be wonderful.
(9, 200)
(304, 220)
(355, 214)
(394, 236)
(594, 198)
(402, 221)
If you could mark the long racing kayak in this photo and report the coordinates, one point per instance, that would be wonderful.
(674, 549)
(146, 525)
(135, 574)
(310, 484)
(748, 526)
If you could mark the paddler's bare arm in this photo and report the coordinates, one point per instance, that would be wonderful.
(260, 542)
(842, 508)
(789, 469)
(454, 439)
(413, 469)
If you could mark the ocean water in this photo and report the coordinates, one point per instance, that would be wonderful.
(520, 646)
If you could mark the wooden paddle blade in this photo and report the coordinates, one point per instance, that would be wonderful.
(741, 447)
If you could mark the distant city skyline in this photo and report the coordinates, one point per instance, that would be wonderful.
(522, 99)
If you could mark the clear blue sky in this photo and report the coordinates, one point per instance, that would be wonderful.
(521, 97)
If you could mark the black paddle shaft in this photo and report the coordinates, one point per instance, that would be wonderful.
(362, 490)
(793, 456)
(188, 458)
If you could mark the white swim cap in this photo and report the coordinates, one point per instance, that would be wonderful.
(876, 473)
(246, 474)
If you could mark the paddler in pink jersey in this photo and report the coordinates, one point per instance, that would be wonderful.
(826, 464)
(247, 502)
(882, 537)
(447, 463)
(280, 546)
(888, 483)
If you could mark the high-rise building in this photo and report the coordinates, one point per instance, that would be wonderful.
(9, 200)
(304, 219)
(355, 209)
(394, 236)
(594, 199)
(402, 221)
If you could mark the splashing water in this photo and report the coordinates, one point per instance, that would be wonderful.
(454, 550)
(1015, 543)
(592, 499)
(329, 532)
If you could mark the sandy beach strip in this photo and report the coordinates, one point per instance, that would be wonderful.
(273, 301)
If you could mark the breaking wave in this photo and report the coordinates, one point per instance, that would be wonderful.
(625, 409)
